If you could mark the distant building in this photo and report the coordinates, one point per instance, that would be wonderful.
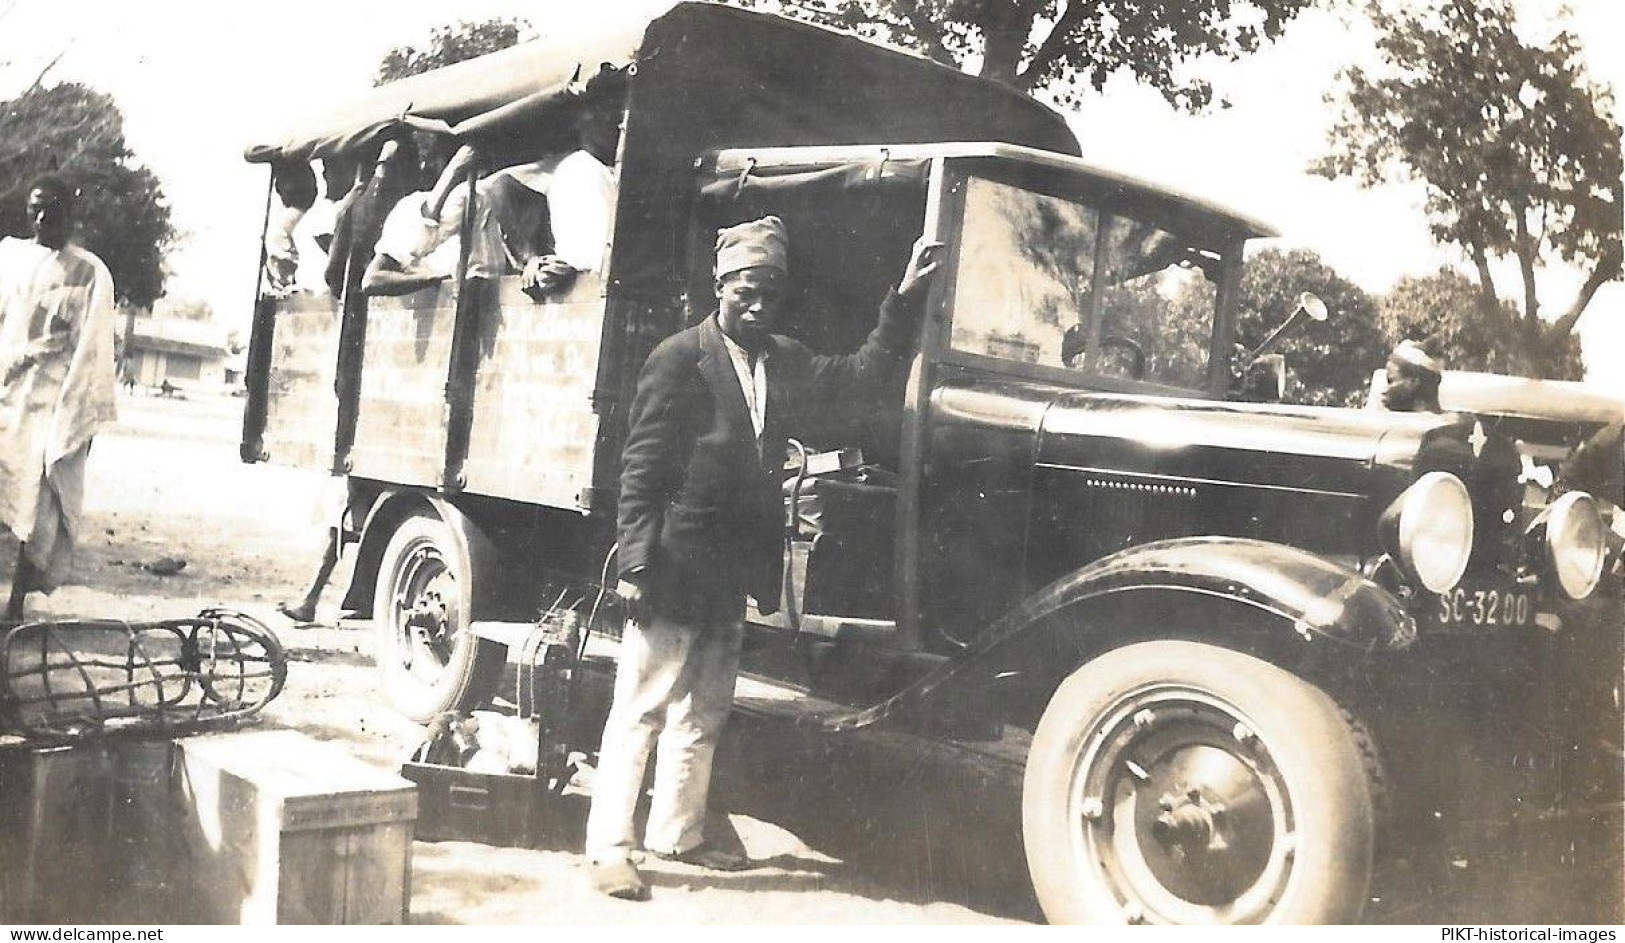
(187, 353)
(1012, 346)
(236, 368)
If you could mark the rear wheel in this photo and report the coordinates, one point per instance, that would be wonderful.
(1177, 782)
(430, 658)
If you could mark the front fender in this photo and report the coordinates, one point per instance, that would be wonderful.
(1299, 592)
(1315, 596)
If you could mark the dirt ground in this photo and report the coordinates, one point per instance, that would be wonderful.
(874, 829)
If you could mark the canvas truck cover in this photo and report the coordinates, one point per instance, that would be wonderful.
(724, 66)
(706, 77)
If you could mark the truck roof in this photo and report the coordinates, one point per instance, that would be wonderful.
(707, 78)
(791, 66)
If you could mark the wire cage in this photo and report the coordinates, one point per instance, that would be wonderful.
(79, 678)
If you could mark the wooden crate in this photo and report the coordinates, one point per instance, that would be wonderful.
(279, 828)
(55, 817)
(83, 831)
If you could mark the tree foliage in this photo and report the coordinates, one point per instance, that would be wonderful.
(1442, 312)
(1518, 148)
(78, 132)
(449, 44)
(1062, 47)
(1331, 361)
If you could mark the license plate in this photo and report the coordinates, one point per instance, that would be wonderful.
(1468, 607)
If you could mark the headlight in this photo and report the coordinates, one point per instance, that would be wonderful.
(1428, 530)
(1575, 543)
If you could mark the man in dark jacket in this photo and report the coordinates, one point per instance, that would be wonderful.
(701, 526)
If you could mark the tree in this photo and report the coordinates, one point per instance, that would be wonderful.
(1442, 312)
(1059, 46)
(79, 133)
(448, 44)
(1331, 361)
(1517, 146)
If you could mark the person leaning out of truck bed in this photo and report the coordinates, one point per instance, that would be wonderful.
(313, 235)
(295, 186)
(382, 178)
(581, 194)
(419, 244)
(338, 183)
(386, 171)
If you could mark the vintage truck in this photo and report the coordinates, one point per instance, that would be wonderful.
(1251, 643)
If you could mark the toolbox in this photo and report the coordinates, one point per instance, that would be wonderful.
(531, 809)
(501, 809)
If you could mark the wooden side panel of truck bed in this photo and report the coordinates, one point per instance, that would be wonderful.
(301, 406)
(533, 425)
(400, 430)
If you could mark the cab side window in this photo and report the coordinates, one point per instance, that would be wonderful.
(1158, 302)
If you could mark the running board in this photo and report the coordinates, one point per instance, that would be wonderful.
(754, 694)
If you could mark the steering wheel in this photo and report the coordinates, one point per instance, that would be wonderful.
(1137, 368)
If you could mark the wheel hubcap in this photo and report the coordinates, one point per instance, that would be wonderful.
(1187, 825)
(425, 612)
(1181, 812)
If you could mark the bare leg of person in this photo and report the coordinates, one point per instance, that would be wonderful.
(305, 609)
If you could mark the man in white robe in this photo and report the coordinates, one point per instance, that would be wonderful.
(57, 376)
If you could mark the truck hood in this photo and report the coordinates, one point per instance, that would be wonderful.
(1489, 394)
(1285, 448)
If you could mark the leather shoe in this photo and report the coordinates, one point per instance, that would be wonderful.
(619, 879)
(709, 856)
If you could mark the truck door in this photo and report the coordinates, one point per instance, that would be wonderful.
(969, 440)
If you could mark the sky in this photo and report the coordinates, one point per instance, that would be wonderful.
(198, 81)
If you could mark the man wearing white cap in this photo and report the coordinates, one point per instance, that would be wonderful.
(701, 527)
(1413, 380)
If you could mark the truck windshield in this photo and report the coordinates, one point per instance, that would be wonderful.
(1061, 283)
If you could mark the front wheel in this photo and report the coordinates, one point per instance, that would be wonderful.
(430, 657)
(1178, 782)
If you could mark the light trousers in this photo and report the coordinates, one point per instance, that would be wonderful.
(674, 687)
